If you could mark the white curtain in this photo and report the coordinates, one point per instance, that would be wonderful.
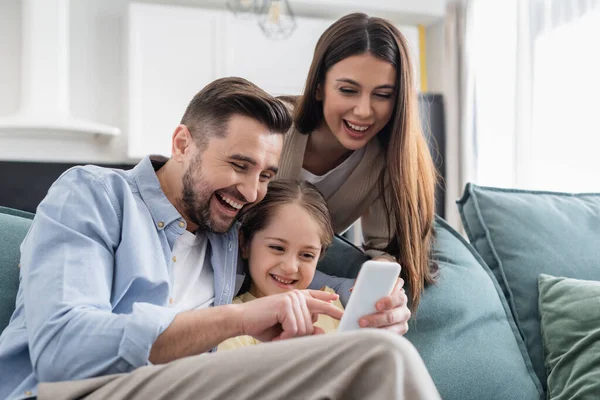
(459, 93)
(536, 71)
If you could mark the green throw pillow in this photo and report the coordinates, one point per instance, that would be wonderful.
(521, 234)
(464, 331)
(570, 311)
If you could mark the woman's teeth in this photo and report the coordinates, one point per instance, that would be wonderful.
(230, 201)
(357, 128)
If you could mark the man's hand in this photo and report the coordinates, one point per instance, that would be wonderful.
(287, 315)
(393, 313)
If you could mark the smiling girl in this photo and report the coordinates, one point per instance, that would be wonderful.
(281, 240)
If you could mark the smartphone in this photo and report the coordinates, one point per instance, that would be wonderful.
(376, 280)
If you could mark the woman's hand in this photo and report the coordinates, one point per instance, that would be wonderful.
(392, 312)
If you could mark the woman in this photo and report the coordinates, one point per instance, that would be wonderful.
(357, 137)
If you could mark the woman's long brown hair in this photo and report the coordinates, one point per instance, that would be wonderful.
(407, 183)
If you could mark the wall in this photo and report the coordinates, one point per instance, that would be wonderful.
(10, 42)
(434, 38)
(97, 74)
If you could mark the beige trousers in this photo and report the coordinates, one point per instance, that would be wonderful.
(365, 364)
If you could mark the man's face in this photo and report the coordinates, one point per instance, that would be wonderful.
(232, 172)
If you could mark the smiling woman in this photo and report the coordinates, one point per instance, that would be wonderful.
(357, 104)
(357, 136)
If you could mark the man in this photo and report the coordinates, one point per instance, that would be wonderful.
(127, 279)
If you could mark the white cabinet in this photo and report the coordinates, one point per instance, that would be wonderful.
(173, 53)
(278, 66)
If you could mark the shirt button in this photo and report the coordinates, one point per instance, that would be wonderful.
(171, 300)
(230, 245)
(181, 224)
(28, 393)
(19, 265)
(160, 224)
(174, 259)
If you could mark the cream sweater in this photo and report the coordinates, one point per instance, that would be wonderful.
(357, 198)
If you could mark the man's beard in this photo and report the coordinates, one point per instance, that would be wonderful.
(196, 205)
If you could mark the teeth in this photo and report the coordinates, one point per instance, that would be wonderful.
(357, 128)
(230, 201)
(282, 280)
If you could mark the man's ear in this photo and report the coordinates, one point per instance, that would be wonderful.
(182, 143)
(319, 92)
(244, 251)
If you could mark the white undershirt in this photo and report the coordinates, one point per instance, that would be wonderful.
(333, 180)
(193, 285)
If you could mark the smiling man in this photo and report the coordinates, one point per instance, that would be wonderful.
(127, 279)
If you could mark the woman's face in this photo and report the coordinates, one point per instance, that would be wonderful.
(358, 98)
(284, 255)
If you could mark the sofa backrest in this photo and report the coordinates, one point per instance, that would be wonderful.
(14, 225)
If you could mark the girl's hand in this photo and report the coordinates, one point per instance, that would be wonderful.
(287, 315)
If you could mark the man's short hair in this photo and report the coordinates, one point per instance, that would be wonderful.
(209, 111)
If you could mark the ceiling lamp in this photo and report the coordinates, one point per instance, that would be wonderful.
(276, 19)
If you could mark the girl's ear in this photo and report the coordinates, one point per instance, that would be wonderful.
(319, 92)
(243, 245)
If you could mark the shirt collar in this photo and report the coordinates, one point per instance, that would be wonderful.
(163, 212)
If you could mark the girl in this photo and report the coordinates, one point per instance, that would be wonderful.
(281, 240)
(358, 138)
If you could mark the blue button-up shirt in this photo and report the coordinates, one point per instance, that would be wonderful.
(95, 279)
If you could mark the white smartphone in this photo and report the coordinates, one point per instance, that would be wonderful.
(375, 281)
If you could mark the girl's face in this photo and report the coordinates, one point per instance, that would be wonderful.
(358, 98)
(284, 255)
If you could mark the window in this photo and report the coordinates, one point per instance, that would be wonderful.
(537, 87)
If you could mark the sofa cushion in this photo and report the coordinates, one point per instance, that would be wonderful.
(521, 234)
(342, 259)
(570, 321)
(464, 331)
(14, 225)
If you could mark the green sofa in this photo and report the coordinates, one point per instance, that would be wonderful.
(476, 327)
